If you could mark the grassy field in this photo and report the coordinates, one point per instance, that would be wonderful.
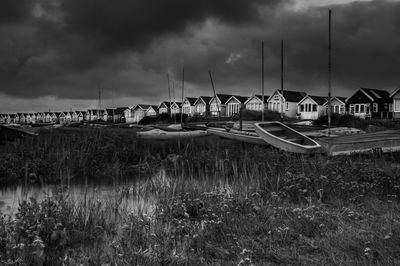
(215, 202)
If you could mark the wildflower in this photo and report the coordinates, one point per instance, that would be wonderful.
(38, 243)
(367, 251)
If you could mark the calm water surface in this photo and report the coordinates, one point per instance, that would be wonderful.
(132, 199)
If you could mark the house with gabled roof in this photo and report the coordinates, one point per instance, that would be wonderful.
(39, 117)
(255, 103)
(80, 115)
(12, 119)
(152, 110)
(27, 118)
(311, 107)
(107, 114)
(202, 105)
(176, 108)
(234, 104)
(47, 117)
(21, 117)
(74, 116)
(188, 106)
(128, 114)
(3, 118)
(395, 106)
(33, 118)
(286, 102)
(338, 105)
(218, 104)
(55, 117)
(119, 114)
(87, 115)
(62, 119)
(139, 112)
(369, 103)
(164, 107)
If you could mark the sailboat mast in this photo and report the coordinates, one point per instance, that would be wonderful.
(282, 80)
(113, 108)
(183, 88)
(262, 80)
(215, 95)
(99, 97)
(329, 75)
(169, 93)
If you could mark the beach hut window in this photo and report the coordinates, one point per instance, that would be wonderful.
(396, 103)
(352, 108)
(314, 107)
(375, 106)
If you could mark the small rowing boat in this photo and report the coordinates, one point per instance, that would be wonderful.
(159, 134)
(239, 135)
(285, 138)
(10, 133)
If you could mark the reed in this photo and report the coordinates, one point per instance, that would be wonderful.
(205, 201)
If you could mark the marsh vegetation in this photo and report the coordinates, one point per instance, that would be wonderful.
(213, 201)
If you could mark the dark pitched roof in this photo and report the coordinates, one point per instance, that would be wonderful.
(293, 96)
(142, 106)
(206, 99)
(177, 103)
(120, 110)
(224, 97)
(241, 99)
(343, 99)
(318, 99)
(191, 100)
(260, 97)
(377, 95)
(155, 107)
(166, 104)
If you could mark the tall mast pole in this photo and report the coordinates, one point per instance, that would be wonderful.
(282, 80)
(329, 75)
(99, 97)
(215, 95)
(113, 108)
(169, 94)
(173, 95)
(262, 79)
(183, 88)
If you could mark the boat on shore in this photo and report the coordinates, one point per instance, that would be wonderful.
(285, 138)
(239, 135)
(11, 133)
(159, 134)
(382, 141)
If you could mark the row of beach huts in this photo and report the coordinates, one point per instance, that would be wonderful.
(364, 103)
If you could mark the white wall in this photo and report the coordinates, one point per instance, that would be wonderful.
(308, 112)
(255, 104)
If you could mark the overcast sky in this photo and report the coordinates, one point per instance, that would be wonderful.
(56, 54)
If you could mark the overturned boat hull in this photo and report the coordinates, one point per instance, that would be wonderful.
(159, 134)
(285, 138)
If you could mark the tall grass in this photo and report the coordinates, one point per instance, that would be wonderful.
(212, 201)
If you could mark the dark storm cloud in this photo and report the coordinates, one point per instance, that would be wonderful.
(68, 48)
(134, 24)
(365, 46)
(15, 10)
(65, 47)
